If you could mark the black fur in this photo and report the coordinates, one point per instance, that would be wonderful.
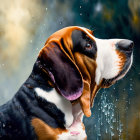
(16, 115)
(80, 41)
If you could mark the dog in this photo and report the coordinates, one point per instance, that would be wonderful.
(69, 71)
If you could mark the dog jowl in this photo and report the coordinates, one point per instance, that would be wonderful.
(70, 69)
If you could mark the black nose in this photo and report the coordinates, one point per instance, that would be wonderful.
(125, 45)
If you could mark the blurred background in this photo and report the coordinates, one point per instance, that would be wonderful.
(24, 27)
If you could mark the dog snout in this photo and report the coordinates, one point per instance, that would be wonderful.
(125, 45)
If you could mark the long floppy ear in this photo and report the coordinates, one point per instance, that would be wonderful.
(62, 71)
(86, 95)
(90, 87)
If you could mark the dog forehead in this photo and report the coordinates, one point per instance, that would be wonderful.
(67, 31)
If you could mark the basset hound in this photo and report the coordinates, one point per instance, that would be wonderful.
(71, 67)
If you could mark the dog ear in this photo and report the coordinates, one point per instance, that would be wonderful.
(62, 70)
(87, 67)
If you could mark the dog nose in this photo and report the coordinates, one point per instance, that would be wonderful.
(125, 45)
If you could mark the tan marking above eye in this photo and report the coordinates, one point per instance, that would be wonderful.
(91, 32)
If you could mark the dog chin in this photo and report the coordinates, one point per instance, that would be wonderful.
(108, 82)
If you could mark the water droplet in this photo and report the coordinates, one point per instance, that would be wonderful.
(114, 120)
(3, 125)
(112, 134)
(98, 7)
(130, 88)
(106, 131)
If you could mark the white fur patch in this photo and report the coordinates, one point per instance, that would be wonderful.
(68, 136)
(107, 59)
(61, 103)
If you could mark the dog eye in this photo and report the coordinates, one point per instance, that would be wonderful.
(88, 46)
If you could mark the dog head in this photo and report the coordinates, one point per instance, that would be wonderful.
(79, 64)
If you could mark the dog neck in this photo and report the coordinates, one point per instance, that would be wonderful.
(51, 101)
(72, 113)
(60, 102)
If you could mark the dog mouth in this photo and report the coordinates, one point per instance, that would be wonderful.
(108, 82)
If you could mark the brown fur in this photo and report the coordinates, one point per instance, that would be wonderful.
(44, 131)
(87, 67)
(122, 57)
